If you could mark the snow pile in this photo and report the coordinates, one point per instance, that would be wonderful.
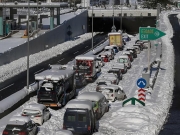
(147, 120)
(18, 66)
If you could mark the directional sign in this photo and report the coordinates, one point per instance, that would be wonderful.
(141, 83)
(142, 95)
(133, 101)
(150, 33)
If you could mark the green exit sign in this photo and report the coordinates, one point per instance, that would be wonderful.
(150, 33)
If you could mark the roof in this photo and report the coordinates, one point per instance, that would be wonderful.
(109, 87)
(49, 85)
(126, 52)
(35, 106)
(92, 96)
(54, 74)
(123, 56)
(114, 33)
(118, 66)
(85, 57)
(77, 103)
(108, 47)
(19, 120)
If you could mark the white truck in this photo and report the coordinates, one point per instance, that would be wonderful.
(58, 87)
(88, 65)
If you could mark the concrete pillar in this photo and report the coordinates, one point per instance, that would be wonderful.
(1, 22)
(51, 18)
(11, 14)
(58, 16)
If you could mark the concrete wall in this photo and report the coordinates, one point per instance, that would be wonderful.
(49, 39)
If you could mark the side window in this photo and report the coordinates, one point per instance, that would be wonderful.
(116, 90)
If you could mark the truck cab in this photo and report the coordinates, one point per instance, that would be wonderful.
(88, 65)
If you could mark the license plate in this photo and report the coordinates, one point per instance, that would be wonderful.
(70, 129)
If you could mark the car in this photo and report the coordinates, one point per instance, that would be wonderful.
(109, 50)
(124, 59)
(102, 82)
(105, 57)
(101, 61)
(115, 48)
(126, 38)
(79, 117)
(38, 113)
(101, 105)
(112, 92)
(19, 125)
(80, 80)
(116, 72)
(134, 53)
(120, 66)
(129, 54)
(138, 51)
(110, 76)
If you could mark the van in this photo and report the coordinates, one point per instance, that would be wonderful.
(79, 117)
(101, 105)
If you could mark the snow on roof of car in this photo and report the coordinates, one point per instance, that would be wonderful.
(114, 87)
(108, 47)
(54, 74)
(85, 57)
(118, 66)
(77, 103)
(63, 132)
(126, 52)
(114, 33)
(102, 80)
(19, 120)
(123, 56)
(47, 85)
(92, 96)
(35, 106)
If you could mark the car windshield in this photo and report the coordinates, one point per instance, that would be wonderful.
(31, 112)
(122, 60)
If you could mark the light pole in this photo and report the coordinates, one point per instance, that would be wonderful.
(121, 16)
(113, 12)
(92, 27)
(37, 14)
(28, 48)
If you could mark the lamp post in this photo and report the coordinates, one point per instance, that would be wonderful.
(113, 12)
(28, 48)
(92, 27)
(37, 14)
(121, 16)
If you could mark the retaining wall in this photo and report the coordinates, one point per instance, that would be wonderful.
(67, 30)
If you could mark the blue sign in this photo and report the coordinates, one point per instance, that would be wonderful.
(141, 83)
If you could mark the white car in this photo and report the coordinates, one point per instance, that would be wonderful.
(109, 50)
(100, 61)
(120, 66)
(113, 92)
(110, 76)
(38, 113)
(124, 59)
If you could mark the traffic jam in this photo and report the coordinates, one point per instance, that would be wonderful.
(57, 89)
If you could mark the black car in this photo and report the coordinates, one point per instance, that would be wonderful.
(20, 125)
(134, 53)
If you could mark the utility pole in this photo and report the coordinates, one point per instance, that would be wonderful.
(37, 14)
(121, 16)
(28, 47)
(92, 27)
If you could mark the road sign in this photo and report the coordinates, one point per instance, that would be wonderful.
(133, 101)
(142, 95)
(155, 44)
(141, 83)
(150, 33)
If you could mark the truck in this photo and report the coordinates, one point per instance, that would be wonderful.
(115, 38)
(57, 86)
(87, 65)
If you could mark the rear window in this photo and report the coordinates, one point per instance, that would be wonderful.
(71, 117)
(122, 60)
(31, 112)
(17, 127)
(82, 117)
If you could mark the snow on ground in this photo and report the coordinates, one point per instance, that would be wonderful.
(136, 120)
(18, 66)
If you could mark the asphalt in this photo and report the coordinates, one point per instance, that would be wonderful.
(172, 127)
(18, 82)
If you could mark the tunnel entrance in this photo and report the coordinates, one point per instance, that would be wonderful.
(130, 24)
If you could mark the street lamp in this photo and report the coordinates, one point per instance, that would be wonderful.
(121, 16)
(28, 47)
(92, 27)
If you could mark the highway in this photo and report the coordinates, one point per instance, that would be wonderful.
(18, 82)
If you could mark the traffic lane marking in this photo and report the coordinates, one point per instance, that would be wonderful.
(39, 71)
(7, 87)
(76, 52)
(60, 60)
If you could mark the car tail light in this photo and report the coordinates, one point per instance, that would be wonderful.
(111, 95)
(38, 115)
(64, 127)
(89, 128)
(5, 132)
(24, 115)
(114, 81)
(22, 133)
